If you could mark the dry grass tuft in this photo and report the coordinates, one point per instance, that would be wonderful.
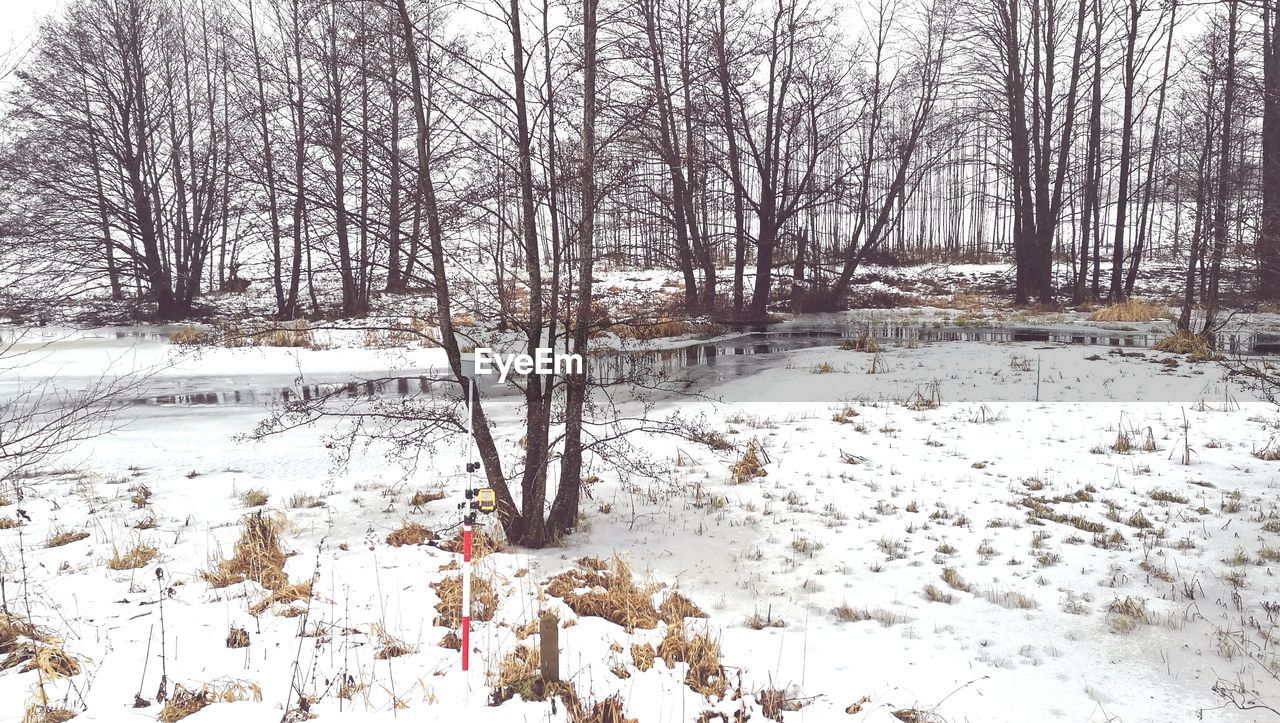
(934, 594)
(1131, 310)
(774, 702)
(608, 593)
(140, 495)
(410, 533)
(677, 607)
(237, 638)
(659, 328)
(484, 601)
(137, 556)
(254, 497)
(749, 466)
(701, 654)
(13, 631)
(189, 336)
(285, 597)
(290, 334)
(186, 702)
(43, 653)
(389, 646)
(1269, 453)
(8, 523)
(952, 578)
(482, 544)
(1125, 615)
(258, 555)
(422, 497)
(59, 539)
(1194, 346)
(608, 710)
(519, 672)
(642, 656)
(865, 343)
(47, 714)
(1010, 599)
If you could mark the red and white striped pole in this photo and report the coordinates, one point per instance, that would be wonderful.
(468, 516)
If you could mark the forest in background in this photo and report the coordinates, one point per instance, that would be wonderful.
(158, 150)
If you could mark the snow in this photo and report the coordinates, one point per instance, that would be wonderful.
(934, 486)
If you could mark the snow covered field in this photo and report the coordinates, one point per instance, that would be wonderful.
(925, 542)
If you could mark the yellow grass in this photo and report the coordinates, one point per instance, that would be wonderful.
(410, 533)
(64, 538)
(484, 601)
(185, 702)
(188, 336)
(701, 654)
(1182, 341)
(1131, 310)
(135, 557)
(748, 467)
(607, 591)
(258, 555)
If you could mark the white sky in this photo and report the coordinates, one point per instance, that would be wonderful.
(18, 19)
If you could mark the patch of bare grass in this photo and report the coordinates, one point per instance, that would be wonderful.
(186, 702)
(606, 590)
(1131, 310)
(135, 557)
(702, 656)
(410, 533)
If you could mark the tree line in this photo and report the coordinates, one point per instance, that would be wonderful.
(162, 149)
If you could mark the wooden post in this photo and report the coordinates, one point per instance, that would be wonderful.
(549, 637)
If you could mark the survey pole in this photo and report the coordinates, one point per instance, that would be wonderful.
(468, 517)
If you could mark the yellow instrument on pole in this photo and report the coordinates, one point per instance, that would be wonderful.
(486, 500)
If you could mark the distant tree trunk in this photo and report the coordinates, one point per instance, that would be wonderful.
(395, 279)
(735, 163)
(1150, 181)
(534, 478)
(1224, 176)
(1268, 243)
(1117, 292)
(564, 510)
(299, 159)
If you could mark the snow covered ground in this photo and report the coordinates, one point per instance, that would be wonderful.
(926, 540)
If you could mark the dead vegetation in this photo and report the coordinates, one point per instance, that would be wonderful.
(1123, 616)
(410, 533)
(29, 647)
(187, 702)
(422, 497)
(702, 654)
(289, 334)
(1194, 346)
(47, 714)
(258, 555)
(642, 655)
(676, 607)
(749, 466)
(58, 539)
(389, 646)
(135, 557)
(606, 590)
(1131, 310)
(866, 343)
(484, 601)
(952, 578)
(482, 544)
(660, 328)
